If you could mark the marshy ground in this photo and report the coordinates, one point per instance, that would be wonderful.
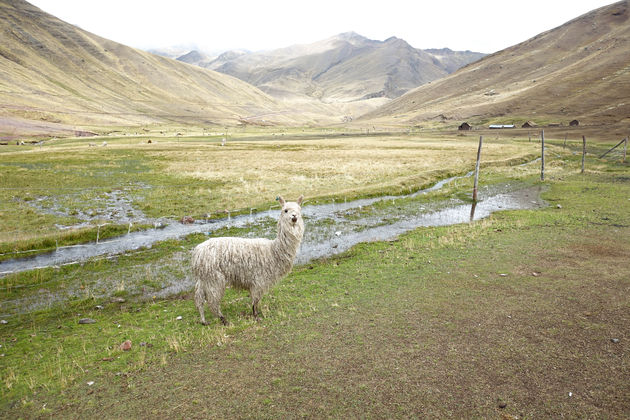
(522, 314)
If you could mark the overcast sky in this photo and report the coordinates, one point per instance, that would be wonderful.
(215, 26)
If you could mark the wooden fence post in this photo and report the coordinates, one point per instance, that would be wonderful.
(625, 149)
(583, 152)
(615, 146)
(542, 155)
(477, 169)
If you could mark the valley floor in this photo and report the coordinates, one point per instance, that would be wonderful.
(522, 315)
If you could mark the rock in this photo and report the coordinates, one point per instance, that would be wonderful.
(99, 307)
(614, 340)
(338, 233)
(126, 346)
(535, 274)
(3, 321)
(118, 300)
(90, 383)
(87, 321)
(179, 318)
(187, 220)
(502, 404)
(335, 246)
(558, 206)
(107, 359)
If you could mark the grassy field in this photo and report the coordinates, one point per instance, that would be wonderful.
(67, 182)
(510, 316)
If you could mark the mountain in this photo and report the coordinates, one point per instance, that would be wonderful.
(195, 57)
(55, 76)
(580, 70)
(344, 68)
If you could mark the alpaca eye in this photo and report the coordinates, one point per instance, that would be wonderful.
(286, 210)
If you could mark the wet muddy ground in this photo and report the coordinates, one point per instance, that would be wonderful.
(330, 229)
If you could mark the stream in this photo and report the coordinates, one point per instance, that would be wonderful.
(330, 229)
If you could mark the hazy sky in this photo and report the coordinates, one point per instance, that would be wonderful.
(482, 25)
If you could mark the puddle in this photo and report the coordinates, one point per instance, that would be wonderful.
(330, 229)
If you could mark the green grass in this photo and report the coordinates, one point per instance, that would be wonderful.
(518, 309)
(67, 181)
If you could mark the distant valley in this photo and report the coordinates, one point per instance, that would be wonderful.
(57, 79)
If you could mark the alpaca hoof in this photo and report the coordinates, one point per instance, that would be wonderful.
(204, 322)
(224, 321)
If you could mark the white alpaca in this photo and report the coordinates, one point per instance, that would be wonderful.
(249, 264)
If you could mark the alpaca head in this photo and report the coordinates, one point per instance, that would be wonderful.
(291, 216)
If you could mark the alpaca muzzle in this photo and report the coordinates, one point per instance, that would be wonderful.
(294, 218)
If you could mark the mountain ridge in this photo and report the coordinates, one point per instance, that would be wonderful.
(578, 70)
(346, 67)
(57, 75)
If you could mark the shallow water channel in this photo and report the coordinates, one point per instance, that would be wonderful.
(329, 229)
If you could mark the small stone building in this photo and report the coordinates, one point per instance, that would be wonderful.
(574, 123)
(529, 124)
(465, 126)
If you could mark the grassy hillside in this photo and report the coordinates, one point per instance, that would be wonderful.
(55, 77)
(580, 70)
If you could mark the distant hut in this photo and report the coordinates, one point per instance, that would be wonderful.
(574, 123)
(465, 126)
(529, 124)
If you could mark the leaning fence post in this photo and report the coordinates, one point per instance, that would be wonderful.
(625, 149)
(542, 155)
(614, 147)
(583, 152)
(477, 169)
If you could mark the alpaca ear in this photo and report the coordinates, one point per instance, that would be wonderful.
(281, 200)
(300, 199)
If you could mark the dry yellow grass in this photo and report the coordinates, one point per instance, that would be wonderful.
(196, 175)
(337, 167)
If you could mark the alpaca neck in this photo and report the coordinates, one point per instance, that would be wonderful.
(287, 242)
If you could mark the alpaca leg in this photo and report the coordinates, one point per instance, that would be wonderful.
(214, 294)
(200, 300)
(255, 299)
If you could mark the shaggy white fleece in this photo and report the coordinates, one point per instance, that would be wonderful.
(250, 264)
